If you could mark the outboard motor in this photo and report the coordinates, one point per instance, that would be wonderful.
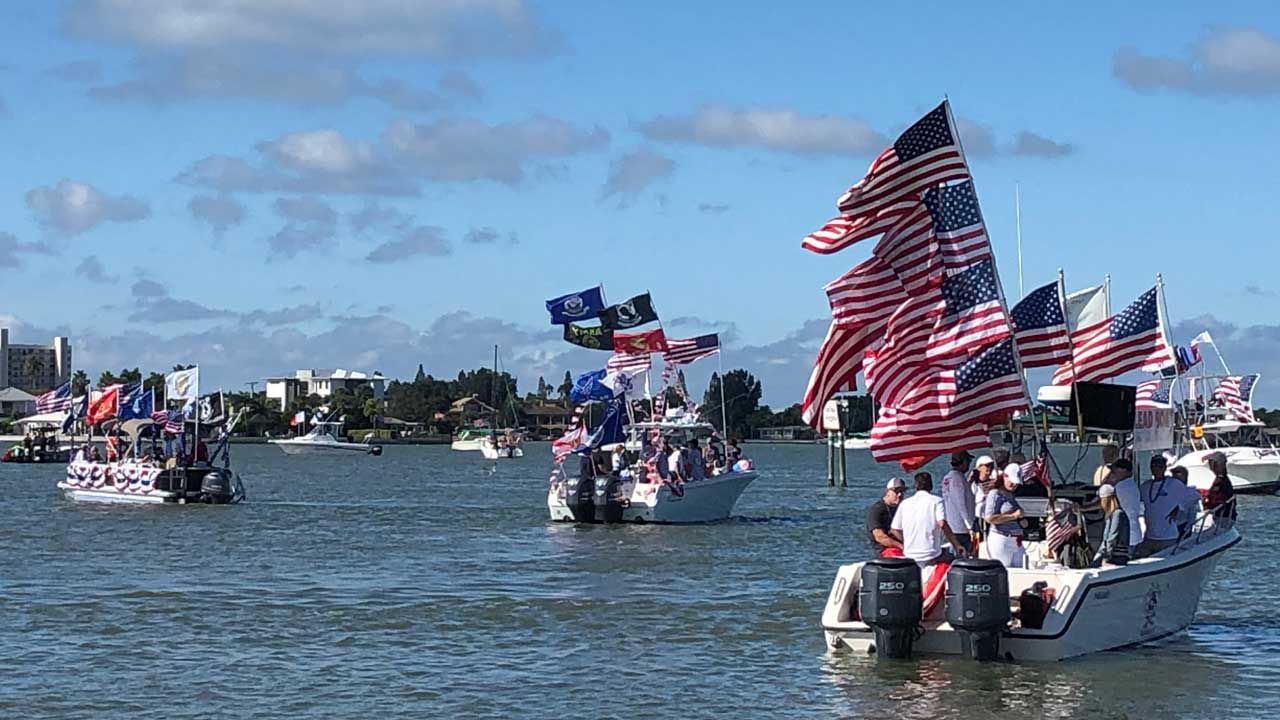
(608, 499)
(375, 450)
(217, 487)
(978, 605)
(579, 496)
(890, 601)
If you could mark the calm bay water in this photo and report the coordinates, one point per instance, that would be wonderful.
(430, 583)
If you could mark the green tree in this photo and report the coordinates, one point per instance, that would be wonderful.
(79, 383)
(741, 399)
(565, 388)
(107, 379)
(33, 366)
(130, 375)
(155, 383)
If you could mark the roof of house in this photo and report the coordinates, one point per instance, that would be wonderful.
(461, 403)
(13, 394)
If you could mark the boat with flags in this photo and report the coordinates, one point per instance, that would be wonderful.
(153, 455)
(629, 467)
(505, 442)
(322, 439)
(925, 321)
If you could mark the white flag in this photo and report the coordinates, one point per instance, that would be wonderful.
(1086, 307)
(182, 384)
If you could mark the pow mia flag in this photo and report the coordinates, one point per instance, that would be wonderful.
(208, 408)
(633, 313)
(592, 338)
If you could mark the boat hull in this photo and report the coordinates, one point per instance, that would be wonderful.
(1252, 470)
(299, 448)
(1096, 609)
(702, 501)
(466, 445)
(490, 453)
(110, 495)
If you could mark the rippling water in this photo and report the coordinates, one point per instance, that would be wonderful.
(429, 583)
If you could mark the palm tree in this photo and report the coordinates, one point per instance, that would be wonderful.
(33, 366)
(79, 383)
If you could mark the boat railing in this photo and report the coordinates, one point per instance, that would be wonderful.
(1207, 526)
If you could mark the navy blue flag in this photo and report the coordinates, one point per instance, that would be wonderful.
(590, 386)
(612, 429)
(136, 403)
(77, 410)
(576, 306)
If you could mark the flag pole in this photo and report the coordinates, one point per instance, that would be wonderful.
(724, 414)
(1071, 348)
(1004, 305)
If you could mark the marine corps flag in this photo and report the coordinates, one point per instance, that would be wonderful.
(103, 406)
(592, 338)
(643, 343)
(633, 313)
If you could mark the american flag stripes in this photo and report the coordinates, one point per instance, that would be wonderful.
(627, 361)
(1152, 395)
(925, 155)
(835, 369)
(840, 232)
(1132, 339)
(951, 409)
(1059, 528)
(56, 400)
(866, 295)
(1040, 327)
(1235, 393)
(683, 352)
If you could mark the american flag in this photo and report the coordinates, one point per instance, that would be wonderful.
(1235, 393)
(1036, 469)
(950, 409)
(925, 155)
(683, 352)
(566, 444)
(1040, 328)
(1130, 340)
(1152, 395)
(627, 361)
(866, 295)
(840, 232)
(957, 224)
(1059, 528)
(836, 368)
(1086, 311)
(938, 328)
(56, 400)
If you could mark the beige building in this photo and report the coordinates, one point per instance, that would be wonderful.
(34, 368)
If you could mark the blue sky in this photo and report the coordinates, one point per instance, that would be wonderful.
(263, 186)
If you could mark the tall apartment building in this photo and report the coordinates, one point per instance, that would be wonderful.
(34, 368)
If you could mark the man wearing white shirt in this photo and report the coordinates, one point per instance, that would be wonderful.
(920, 524)
(1166, 501)
(957, 498)
(1121, 476)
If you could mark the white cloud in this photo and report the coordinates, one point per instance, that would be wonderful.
(421, 240)
(12, 250)
(1225, 61)
(771, 129)
(73, 207)
(631, 173)
(92, 269)
(219, 211)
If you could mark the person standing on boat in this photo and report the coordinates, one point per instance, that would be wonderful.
(693, 460)
(1121, 477)
(618, 459)
(880, 519)
(1115, 534)
(1110, 453)
(1002, 512)
(920, 524)
(1166, 503)
(982, 481)
(957, 498)
(733, 453)
(1221, 491)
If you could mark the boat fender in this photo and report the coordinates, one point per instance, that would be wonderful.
(376, 450)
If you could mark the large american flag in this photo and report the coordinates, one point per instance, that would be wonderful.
(836, 368)
(1129, 340)
(683, 352)
(1235, 393)
(951, 409)
(840, 232)
(925, 155)
(937, 328)
(1040, 328)
(56, 400)
(867, 294)
(627, 361)
(1152, 395)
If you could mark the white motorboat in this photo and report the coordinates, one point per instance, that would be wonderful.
(323, 438)
(639, 495)
(1253, 463)
(470, 439)
(858, 441)
(1089, 610)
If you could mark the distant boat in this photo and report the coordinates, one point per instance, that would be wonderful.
(323, 439)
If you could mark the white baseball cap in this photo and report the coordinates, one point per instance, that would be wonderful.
(895, 483)
(985, 460)
(1106, 491)
(1014, 472)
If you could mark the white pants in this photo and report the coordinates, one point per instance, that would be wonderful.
(1005, 549)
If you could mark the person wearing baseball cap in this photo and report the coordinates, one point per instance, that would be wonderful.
(1115, 534)
(957, 498)
(1221, 492)
(880, 519)
(1121, 478)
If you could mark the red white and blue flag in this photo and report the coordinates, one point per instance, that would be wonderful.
(56, 400)
(1152, 395)
(1040, 328)
(1235, 393)
(683, 352)
(1132, 339)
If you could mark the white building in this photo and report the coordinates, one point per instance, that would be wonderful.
(321, 382)
(34, 368)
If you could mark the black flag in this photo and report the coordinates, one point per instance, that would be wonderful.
(633, 313)
(208, 408)
(592, 338)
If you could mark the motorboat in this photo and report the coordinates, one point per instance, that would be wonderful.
(323, 438)
(138, 478)
(857, 441)
(40, 445)
(638, 494)
(470, 439)
(502, 447)
(1253, 463)
(1044, 612)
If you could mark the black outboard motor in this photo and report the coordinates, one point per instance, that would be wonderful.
(890, 601)
(978, 605)
(217, 487)
(579, 496)
(608, 499)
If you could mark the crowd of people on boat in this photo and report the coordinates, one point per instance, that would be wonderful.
(171, 453)
(977, 509)
(662, 459)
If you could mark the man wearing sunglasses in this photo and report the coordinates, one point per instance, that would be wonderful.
(880, 519)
